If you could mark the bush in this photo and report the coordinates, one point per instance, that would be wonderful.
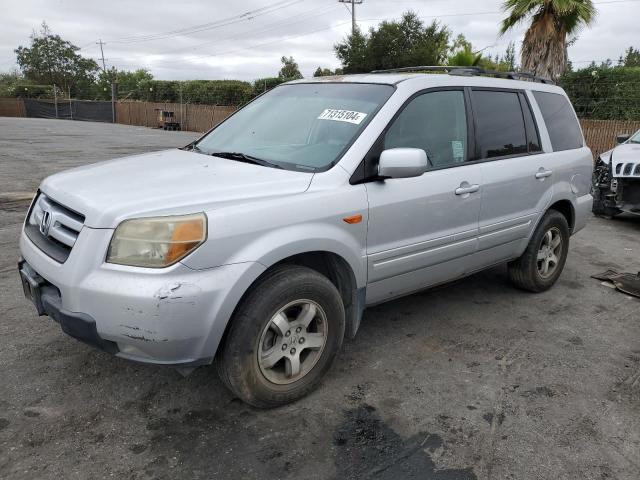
(604, 92)
(261, 85)
(211, 92)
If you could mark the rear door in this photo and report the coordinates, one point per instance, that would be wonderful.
(422, 230)
(516, 174)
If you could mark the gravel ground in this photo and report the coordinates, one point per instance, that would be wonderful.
(475, 380)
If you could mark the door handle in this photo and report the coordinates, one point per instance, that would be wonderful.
(542, 173)
(465, 189)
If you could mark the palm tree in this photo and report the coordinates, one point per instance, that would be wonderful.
(544, 48)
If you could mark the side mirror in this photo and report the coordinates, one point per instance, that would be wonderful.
(402, 163)
(622, 138)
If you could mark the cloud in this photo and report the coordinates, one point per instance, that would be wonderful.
(138, 34)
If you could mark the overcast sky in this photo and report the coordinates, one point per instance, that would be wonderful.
(214, 39)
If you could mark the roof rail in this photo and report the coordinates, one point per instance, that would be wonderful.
(469, 71)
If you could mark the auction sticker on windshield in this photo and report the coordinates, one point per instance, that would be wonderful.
(342, 115)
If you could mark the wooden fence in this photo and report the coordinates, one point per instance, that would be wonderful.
(599, 134)
(12, 107)
(195, 118)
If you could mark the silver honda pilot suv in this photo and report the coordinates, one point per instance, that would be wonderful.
(259, 246)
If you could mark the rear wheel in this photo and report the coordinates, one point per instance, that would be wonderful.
(542, 262)
(283, 337)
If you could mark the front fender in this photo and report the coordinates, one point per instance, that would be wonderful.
(271, 231)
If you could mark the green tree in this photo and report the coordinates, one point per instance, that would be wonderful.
(462, 53)
(289, 70)
(393, 44)
(9, 83)
(544, 48)
(51, 60)
(352, 52)
(631, 58)
(326, 72)
(509, 59)
(132, 81)
(503, 63)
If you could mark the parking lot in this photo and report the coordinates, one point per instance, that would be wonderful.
(474, 380)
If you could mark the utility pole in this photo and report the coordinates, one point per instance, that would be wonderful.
(104, 66)
(70, 104)
(55, 98)
(353, 12)
(112, 79)
(113, 96)
(181, 114)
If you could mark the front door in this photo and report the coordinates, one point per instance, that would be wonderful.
(421, 230)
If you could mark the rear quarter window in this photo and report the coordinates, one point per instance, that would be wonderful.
(562, 125)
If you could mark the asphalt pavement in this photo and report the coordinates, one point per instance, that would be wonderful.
(474, 380)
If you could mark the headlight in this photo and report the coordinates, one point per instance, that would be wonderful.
(157, 241)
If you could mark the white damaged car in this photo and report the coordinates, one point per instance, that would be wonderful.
(616, 178)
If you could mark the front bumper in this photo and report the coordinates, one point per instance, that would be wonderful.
(47, 301)
(172, 316)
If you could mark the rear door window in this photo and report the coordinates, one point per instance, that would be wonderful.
(562, 125)
(500, 127)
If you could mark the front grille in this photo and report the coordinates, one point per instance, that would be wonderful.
(53, 227)
(628, 169)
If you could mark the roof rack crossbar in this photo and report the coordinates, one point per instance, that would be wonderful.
(468, 71)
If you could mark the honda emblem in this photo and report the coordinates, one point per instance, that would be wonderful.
(45, 222)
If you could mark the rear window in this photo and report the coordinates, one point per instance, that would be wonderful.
(500, 128)
(561, 121)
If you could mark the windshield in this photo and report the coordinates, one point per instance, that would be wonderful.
(300, 126)
(635, 138)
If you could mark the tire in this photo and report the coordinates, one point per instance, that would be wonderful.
(290, 295)
(528, 271)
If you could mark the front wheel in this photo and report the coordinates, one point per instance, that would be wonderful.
(283, 337)
(542, 262)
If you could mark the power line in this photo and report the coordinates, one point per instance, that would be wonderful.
(299, 19)
(246, 16)
(312, 14)
(279, 40)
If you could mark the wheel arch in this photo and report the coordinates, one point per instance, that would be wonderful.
(340, 273)
(328, 263)
(565, 207)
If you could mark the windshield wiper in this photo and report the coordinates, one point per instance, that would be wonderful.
(242, 157)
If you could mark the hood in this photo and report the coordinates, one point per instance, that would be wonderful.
(166, 183)
(624, 158)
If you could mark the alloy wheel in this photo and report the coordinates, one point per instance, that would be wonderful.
(292, 342)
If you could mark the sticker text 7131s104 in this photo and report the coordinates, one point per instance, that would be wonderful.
(342, 115)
